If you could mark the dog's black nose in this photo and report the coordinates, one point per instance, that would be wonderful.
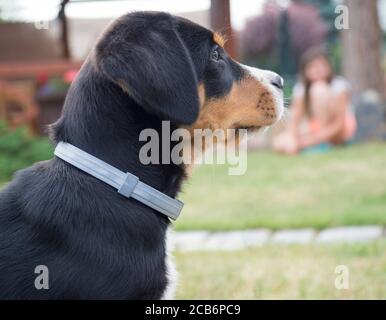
(278, 82)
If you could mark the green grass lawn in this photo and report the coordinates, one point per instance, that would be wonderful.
(277, 272)
(346, 186)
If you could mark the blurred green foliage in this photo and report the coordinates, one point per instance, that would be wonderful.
(18, 150)
(328, 14)
(277, 38)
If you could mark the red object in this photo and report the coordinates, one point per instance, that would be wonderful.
(41, 78)
(70, 75)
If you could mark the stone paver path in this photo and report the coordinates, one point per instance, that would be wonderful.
(235, 240)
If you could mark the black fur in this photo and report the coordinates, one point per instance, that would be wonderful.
(97, 244)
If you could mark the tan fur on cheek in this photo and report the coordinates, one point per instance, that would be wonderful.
(248, 104)
(201, 95)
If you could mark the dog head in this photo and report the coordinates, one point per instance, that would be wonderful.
(179, 71)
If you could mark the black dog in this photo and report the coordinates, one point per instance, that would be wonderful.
(147, 67)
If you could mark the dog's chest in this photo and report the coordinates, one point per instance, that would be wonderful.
(171, 272)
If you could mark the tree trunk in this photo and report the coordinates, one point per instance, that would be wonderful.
(220, 20)
(362, 63)
(64, 30)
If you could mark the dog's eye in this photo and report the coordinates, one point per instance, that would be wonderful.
(215, 55)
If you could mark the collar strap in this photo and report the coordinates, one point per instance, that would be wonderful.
(127, 184)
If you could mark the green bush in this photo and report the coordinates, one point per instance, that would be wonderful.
(18, 150)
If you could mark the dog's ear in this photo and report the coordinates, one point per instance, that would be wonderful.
(146, 57)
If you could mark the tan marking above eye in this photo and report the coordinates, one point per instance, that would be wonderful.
(219, 39)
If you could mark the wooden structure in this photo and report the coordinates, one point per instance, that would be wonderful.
(18, 103)
(18, 78)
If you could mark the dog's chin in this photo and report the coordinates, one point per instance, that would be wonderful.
(279, 107)
(249, 129)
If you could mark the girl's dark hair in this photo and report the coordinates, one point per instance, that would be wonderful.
(310, 55)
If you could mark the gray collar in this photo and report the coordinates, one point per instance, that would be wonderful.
(127, 184)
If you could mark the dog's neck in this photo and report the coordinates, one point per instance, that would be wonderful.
(99, 118)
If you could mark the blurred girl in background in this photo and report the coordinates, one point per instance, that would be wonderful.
(321, 112)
